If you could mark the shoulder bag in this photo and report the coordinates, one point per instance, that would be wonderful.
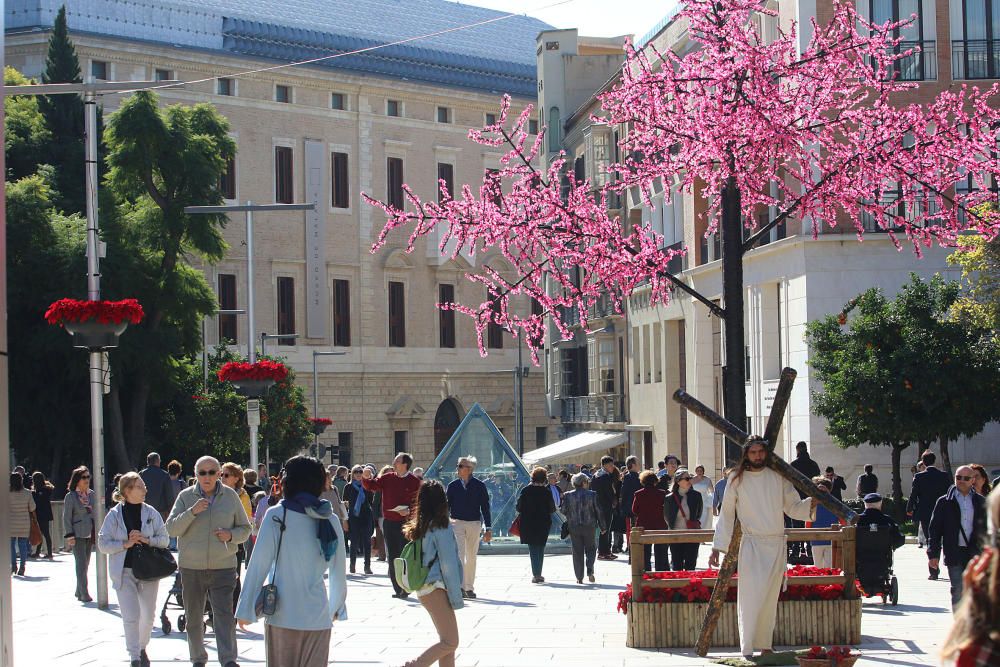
(692, 524)
(267, 599)
(152, 563)
(35, 534)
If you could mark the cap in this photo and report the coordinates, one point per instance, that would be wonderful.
(873, 498)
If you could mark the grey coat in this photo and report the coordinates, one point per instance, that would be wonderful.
(581, 510)
(78, 521)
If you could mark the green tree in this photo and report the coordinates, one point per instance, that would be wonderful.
(979, 259)
(159, 161)
(26, 136)
(64, 118)
(903, 371)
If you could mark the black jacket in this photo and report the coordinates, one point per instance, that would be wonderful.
(630, 484)
(867, 483)
(670, 508)
(159, 489)
(944, 528)
(535, 507)
(927, 487)
(665, 482)
(366, 513)
(839, 486)
(603, 484)
(874, 517)
(805, 465)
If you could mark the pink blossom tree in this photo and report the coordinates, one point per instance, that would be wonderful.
(735, 119)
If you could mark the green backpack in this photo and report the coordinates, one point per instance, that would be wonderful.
(411, 574)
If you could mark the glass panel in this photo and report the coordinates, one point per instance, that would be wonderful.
(881, 11)
(975, 19)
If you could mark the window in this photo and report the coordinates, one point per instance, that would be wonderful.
(920, 66)
(337, 101)
(342, 313)
(340, 195)
(345, 443)
(99, 70)
(491, 119)
(975, 47)
(394, 179)
(532, 126)
(446, 318)
(162, 75)
(657, 354)
(541, 435)
(399, 439)
(446, 173)
(282, 94)
(443, 115)
(393, 108)
(397, 315)
(227, 301)
(283, 184)
(227, 182)
(554, 130)
(494, 332)
(286, 309)
(225, 87)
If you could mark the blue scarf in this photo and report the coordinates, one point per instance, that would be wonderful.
(321, 510)
(360, 499)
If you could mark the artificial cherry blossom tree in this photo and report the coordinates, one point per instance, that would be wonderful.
(735, 120)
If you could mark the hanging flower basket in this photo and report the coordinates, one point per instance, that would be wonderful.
(319, 424)
(94, 325)
(252, 380)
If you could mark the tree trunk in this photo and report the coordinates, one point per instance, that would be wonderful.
(137, 419)
(945, 454)
(897, 481)
(116, 428)
(734, 373)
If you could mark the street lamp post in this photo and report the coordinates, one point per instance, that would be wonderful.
(264, 337)
(518, 374)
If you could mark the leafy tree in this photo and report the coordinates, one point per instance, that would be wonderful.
(64, 118)
(26, 136)
(904, 371)
(980, 262)
(159, 161)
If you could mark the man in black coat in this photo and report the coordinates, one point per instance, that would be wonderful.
(804, 463)
(837, 484)
(874, 516)
(957, 526)
(927, 487)
(867, 482)
(159, 486)
(630, 484)
(603, 484)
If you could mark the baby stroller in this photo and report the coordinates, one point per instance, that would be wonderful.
(874, 562)
(176, 594)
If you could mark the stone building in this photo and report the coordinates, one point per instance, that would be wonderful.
(360, 122)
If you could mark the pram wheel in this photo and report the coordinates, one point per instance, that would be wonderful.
(894, 591)
(181, 622)
(165, 625)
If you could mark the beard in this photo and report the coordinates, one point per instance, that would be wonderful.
(755, 466)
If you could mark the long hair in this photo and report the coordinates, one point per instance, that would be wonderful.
(987, 487)
(16, 481)
(977, 618)
(430, 512)
(75, 477)
(39, 482)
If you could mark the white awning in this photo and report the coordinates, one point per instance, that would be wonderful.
(581, 443)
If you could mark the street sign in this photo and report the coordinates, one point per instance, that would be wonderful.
(253, 412)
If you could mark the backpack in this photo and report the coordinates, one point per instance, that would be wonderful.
(411, 574)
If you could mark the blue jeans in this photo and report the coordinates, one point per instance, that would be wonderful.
(19, 545)
(537, 554)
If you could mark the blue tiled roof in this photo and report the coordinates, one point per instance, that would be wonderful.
(498, 56)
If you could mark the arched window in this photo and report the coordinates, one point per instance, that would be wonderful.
(555, 130)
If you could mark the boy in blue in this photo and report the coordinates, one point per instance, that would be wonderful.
(822, 549)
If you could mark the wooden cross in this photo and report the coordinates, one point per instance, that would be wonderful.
(798, 480)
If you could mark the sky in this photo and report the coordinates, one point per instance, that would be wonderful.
(594, 18)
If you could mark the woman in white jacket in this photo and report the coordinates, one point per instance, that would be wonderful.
(127, 524)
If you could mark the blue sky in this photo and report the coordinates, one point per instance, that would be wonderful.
(597, 18)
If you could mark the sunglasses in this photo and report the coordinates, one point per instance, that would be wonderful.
(206, 473)
(84, 476)
(228, 474)
(683, 479)
(964, 478)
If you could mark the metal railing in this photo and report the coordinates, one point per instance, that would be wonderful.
(975, 59)
(601, 408)
(921, 65)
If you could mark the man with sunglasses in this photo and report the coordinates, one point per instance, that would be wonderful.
(957, 526)
(469, 505)
(209, 521)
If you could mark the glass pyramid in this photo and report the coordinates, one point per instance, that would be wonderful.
(498, 465)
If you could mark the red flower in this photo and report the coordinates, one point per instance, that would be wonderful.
(235, 371)
(103, 312)
(320, 421)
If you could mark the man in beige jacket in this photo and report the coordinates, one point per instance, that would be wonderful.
(209, 523)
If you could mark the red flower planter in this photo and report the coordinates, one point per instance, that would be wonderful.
(252, 380)
(94, 325)
(318, 424)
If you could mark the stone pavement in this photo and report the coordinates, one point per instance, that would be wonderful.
(513, 623)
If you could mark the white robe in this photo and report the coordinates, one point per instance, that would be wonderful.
(705, 488)
(759, 499)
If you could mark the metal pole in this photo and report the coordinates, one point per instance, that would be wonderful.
(204, 357)
(251, 330)
(520, 401)
(315, 401)
(96, 358)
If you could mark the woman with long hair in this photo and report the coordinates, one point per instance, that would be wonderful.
(974, 640)
(535, 506)
(20, 505)
(441, 593)
(41, 492)
(79, 506)
(129, 523)
(980, 480)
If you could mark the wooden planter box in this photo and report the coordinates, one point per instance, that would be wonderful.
(799, 623)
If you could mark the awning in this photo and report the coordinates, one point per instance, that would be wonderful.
(588, 441)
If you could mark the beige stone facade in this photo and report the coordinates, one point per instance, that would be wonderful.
(373, 390)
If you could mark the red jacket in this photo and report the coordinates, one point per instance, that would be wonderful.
(396, 491)
(647, 506)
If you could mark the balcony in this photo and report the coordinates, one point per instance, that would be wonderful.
(975, 59)
(921, 65)
(603, 408)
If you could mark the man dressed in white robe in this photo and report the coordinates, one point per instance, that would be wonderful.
(759, 497)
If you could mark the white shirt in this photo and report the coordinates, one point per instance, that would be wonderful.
(968, 512)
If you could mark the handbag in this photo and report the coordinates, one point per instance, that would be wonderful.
(35, 534)
(692, 524)
(267, 599)
(515, 526)
(152, 563)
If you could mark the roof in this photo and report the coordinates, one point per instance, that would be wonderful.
(575, 446)
(498, 56)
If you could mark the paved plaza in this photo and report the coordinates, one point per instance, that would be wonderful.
(512, 623)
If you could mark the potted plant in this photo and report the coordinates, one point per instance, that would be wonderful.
(833, 656)
(319, 424)
(252, 380)
(94, 325)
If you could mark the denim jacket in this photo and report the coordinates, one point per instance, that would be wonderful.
(114, 535)
(447, 568)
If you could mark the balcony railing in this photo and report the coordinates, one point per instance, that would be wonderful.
(975, 59)
(602, 408)
(921, 65)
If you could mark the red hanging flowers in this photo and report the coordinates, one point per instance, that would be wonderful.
(320, 421)
(236, 371)
(103, 312)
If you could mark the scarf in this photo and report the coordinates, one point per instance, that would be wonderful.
(321, 510)
(360, 499)
(84, 499)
